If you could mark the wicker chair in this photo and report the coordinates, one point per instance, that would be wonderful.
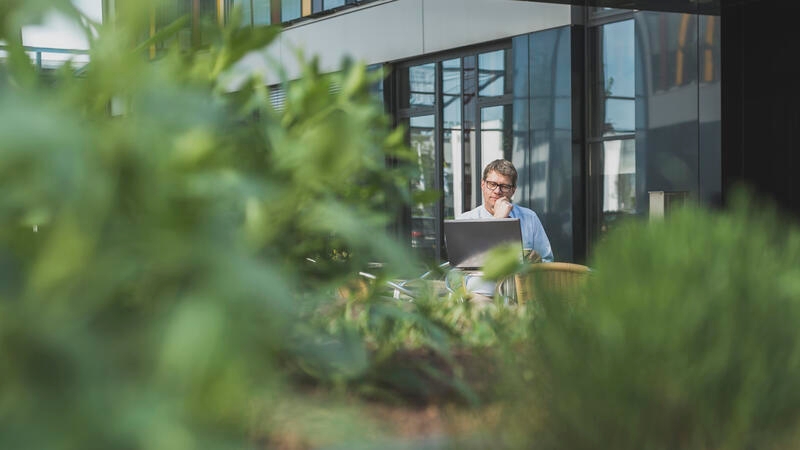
(558, 278)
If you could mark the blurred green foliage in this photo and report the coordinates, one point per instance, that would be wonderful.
(158, 233)
(688, 339)
(179, 268)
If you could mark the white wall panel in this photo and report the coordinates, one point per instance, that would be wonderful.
(399, 29)
(455, 23)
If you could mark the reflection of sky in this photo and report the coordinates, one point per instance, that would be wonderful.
(422, 122)
(618, 58)
(420, 79)
(58, 32)
(621, 114)
(489, 66)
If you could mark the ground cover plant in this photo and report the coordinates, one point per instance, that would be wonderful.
(687, 338)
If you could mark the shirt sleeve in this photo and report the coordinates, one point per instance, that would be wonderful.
(534, 235)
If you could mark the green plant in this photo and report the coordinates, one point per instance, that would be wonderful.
(156, 231)
(688, 339)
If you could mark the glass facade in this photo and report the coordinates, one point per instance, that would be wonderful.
(543, 133)
(262, 12)
(331, 4)
(612, 128)
(290, 10)
(654, 114)
(254, 12)
(589, 145)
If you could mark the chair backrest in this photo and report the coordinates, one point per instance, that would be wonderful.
(559, 278)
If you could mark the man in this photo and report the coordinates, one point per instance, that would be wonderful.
(498, 186)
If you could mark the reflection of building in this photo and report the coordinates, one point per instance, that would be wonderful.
(596, 106)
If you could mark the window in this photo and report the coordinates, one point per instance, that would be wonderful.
(254, 12)
(458, 113)
(290, 10)
(612, 139)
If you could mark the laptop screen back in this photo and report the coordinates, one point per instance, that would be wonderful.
(468, 241)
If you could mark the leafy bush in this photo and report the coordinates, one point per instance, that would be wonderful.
(688, 339)
(156, 255)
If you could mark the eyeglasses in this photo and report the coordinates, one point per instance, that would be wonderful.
(503, 187)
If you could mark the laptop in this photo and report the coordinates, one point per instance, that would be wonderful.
(469, 241)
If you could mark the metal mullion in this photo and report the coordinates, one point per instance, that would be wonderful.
(466, 197)
(438, 146)
(598, 19)
(275, 12)
(616, 137)
(590, 54)
(416, 111)
(252, 14)
(483, 102)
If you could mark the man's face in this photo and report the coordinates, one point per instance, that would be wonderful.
(490, 196)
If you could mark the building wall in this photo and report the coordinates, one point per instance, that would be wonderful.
(396, 29)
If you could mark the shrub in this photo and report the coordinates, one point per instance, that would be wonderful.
(154, 260)
(688, 339)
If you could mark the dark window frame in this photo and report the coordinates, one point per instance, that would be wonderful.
(402, 115)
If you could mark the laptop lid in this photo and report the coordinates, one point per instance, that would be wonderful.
(468, 241)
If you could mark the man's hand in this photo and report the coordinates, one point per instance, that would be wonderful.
(502, 208)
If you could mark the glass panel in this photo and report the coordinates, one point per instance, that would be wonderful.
(618, 78)
(418, 87)
(424, 238)
(451, 139)
(472, 194)
(545, 163)
(670, 144)
(492, 79)
(261, 12)
(496, 135)
(290, 10)
(620, 116)
(247, 14)
(618, 188)
(710, 144)
(330, 4)
(376, 88)
(672, 47)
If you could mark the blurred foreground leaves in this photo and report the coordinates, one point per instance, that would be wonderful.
(688, 339)
(179, 269)
(157, 233)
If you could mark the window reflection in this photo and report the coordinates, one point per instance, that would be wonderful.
(290, 10)
(709, 46)
(492, 80)
(418, 86)
(619, 177)
(330, 4)
(247, 13)
(261, 12)
(613, 193)
(453, 169)
(618, 82)
(496, 134)
(424, 237)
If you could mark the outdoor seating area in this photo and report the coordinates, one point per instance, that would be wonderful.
(560, 279)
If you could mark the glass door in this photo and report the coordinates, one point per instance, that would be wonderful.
(612, 132)
(457, 111)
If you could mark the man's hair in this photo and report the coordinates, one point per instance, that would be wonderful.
(503, 167)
